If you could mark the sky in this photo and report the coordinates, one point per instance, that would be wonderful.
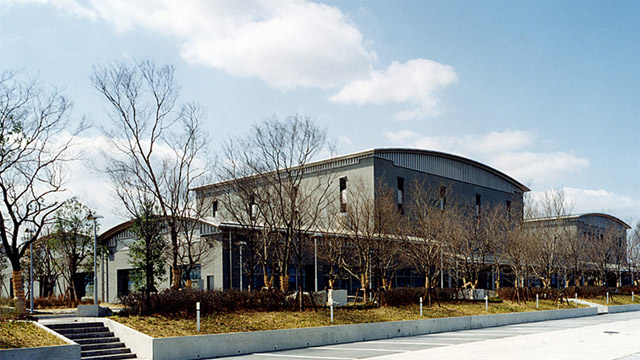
(547, 92)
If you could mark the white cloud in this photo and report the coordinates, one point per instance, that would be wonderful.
(285, 43)
(415, 82)
(507, 151)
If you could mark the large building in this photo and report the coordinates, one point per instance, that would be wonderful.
(466, 182)
(600, 241)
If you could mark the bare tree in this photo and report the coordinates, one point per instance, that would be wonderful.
(470, 244)
(264, 172)
(371, 223)
(603, 252)
(633, 254)
(550, 235)
(32, 153)
(389, 224)
(429, 230)
(158, 142)
(517, 253)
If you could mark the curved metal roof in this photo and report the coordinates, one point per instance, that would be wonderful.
(577, 216)
(415, 159)
(419, 160)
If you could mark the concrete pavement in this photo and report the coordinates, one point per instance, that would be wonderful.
(609, 336)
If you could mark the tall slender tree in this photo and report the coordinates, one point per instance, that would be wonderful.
(32, 153)
(160, 145)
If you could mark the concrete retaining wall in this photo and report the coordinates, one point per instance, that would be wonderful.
(203, 346)
(623, 308)
(139, 343)
(58, 352)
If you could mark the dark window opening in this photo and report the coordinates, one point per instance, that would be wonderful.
(478, 203)
(443, 197)
(214, 208)
(253, 207)
(343, 195)
(400, 195)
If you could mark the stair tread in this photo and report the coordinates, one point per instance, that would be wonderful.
(101, 346)
(110, 357)
(122, 350)
(93, 341)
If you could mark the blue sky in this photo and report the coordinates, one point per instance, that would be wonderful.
(545, 91)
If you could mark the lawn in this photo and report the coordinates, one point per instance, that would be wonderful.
(615, 299)
(166, 326)
(21, 334)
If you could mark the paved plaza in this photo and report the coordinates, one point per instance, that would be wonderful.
(608, 336)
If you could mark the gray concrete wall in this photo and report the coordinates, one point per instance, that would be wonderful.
(71, 351)
(460, 192)
(139, 343)
(60, 352)
(201, 346)
(623, 308)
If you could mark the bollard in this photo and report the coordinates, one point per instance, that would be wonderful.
(576, 299)
(607, 298)
(420, 305)
(332, 313)
(198, 314)
(486, 302)
(536, 301)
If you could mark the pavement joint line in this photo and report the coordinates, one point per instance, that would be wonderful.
(303, 356)
(359, 349)
(424, 343)
(454, 338)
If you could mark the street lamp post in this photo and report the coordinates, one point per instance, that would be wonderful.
(242, 243)
(95, 255)
(30, 239)
(315, 263)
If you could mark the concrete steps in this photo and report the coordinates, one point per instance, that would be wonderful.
(95, 339)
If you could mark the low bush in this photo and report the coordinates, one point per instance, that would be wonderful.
(410, 296)
(59, 301)
(583, 292)
(184, 301)
(627, 290)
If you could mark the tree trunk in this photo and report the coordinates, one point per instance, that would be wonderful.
(175, 280)
(284, 282)
(176, 274)
(18, 291)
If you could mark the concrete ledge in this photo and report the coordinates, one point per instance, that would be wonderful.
(58, 352)
(139, 343)
(93, 311)
(207, 346)
(623, 308)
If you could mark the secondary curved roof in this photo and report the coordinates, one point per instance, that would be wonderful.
(585, 215)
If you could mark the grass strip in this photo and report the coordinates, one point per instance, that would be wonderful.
(185, 324)
(23, 334)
